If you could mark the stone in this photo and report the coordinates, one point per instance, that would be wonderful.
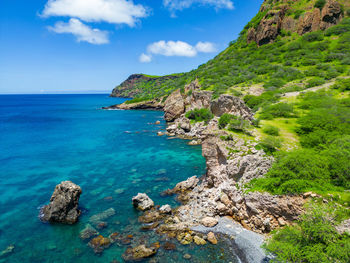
(157, 122)
(209, 221)
(96, 219)
(138, 253)
(331, 14)
(102, 225)
(160, 133)
(150, 216)
(63, 206)
(189, 184)
(174, 106)
(187, 256)
(169, 246)
(344, 227)
(231, 104)
(211, 238)
(184, 124)
(119, 190)
(7, 251)
(195, 142)
(88, 232)
(99, 243)
(281, 221)
(199, 241)
(165, 209)
(142, 202)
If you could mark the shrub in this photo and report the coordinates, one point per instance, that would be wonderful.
(313, 36)
(224, 120)
(199, 115)
(313, 239)
(270, 144)
(271, 130)
(277, 110)
(342, 84)
(320, 4)
(274, 83)
(315, 82)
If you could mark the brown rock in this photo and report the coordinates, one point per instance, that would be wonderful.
(212, 239)
(169, 246)
(98, 244)
(309, 22)
(139, 253)
(199, 241)
(209, 221)
(174, 106)
(331, 14)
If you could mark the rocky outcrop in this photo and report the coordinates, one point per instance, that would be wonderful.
(63, 206)
(174, 106)
(142, 202)
(143, 105)
(140, 252)
(275, 20)
(230, 104)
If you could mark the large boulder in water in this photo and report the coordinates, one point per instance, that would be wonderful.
(174, 106)
(63, 206)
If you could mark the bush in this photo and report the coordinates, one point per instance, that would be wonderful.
(224, 120)
(314, 239)
(270, 144)
(237, 123)
(313, 36)
(320, 4)
(271, 130)
(342, 84)
(274, 83)
(277, 110)
(199, 115)
(315, 82)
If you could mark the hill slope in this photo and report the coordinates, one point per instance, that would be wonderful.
(290, 44)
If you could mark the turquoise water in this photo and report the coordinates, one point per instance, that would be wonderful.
(112, 155)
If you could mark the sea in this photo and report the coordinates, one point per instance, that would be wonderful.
(111, 154)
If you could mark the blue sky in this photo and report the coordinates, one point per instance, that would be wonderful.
(70, 46)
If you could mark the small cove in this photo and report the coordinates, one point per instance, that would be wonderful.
(112, 155)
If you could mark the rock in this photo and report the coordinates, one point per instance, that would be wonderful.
(195, 142)
(88, 232)
(7, 251)
(344, 227)
(174, 106)
(309, 22)
(211, 238)
(331, 14)
(169, 246)
(189, 184)
(281, 221)
(150, 216)
(63, 206)
(99, 243)
(209, 221)
(160, 133)
(102, 225)
(230, 104)
(143, 105)
(157, 122)
(142, 202)
(185, 238)
(199, 241)
(165, 209)
(200, 99)
(139, 253)
(184, 124)
(187, 256)
(119, 190)
(102, 216)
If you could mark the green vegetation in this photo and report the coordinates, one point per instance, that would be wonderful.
(314, 239)
(277, 110)
(198, 115)
(234, 123)
(320, 4)
(271, 130)
(270, 144)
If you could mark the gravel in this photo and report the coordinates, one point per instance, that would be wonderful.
(246, 244)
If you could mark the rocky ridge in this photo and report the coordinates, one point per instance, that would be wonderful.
(277, 19)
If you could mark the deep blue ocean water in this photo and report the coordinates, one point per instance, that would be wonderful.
(46, 139)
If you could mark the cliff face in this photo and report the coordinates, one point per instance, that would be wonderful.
(280, 15)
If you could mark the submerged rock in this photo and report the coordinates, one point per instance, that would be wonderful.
(142, 202)
(139, 253)
(98, 218)
(63, 206)
(88, 232)
(7, 251)
(98, 244)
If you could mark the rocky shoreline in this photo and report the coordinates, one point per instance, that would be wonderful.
(231, 163)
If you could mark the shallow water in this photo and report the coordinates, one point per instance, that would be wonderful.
(45, 139)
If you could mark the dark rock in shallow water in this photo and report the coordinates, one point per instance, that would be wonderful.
(140, 252)
(98, 244)
(88, 232)
(63, 206)
(142, 202)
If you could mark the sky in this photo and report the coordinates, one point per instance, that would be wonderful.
(91, 46)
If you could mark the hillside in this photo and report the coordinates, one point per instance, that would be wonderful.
(288, 44)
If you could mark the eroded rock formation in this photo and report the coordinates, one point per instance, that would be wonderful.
(63, 206)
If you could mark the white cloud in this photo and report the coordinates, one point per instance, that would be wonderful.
(172, 48)
(110, 11)
(205, 47)
(176, 48)
(144, 58)
(174, 5)
(81, 31)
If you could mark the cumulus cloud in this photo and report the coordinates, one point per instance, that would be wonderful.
(176, 48)
(81, 31)
(174, 5)
(205, 47)
(144, 58)
(110, 11)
